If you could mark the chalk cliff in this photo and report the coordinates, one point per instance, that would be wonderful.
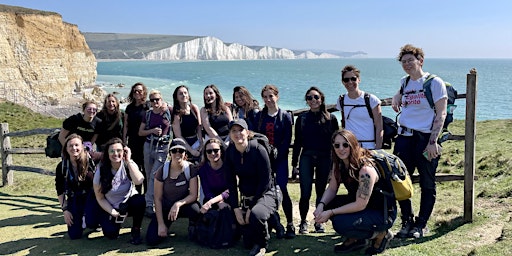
(42, 59)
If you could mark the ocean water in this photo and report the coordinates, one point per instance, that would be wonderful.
(293, 77)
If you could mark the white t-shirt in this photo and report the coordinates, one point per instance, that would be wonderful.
(416, 111)
(121, 186)
(358, 120)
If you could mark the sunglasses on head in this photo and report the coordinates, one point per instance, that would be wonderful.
(215, 150)
(177, 150)
(309, 97)
(346, 79)
(154, 100)
(338, 145)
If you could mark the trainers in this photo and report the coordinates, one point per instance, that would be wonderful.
(418, 232)
(136, 238)
(257, 251)
(149, 211)
(319, 228)
(290, 231)
(280, 231)
(303, 227)
(350, 245)
(404, 232)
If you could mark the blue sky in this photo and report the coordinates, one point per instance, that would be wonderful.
(443, 28)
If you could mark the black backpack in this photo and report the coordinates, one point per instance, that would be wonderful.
(217, 229)
(53, 147)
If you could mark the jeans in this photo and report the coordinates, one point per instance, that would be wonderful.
(281, 168)
(256, 232)
(135, 209)
(312, 163)
(154, 158)
(410, 150)
(81, 207)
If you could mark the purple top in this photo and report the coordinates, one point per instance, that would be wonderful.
(213, 182)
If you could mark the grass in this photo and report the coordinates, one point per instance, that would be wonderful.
(32, 223)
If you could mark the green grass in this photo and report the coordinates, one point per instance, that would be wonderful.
(32, 223)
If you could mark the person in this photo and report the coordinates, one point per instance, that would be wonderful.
(186, 120)
(245, 106)
(156, 126)
(134, 114)
(361, 214)
(355, 116)
(419, 128)
(276, 124)
(312, 140)
(215, 115)
(85, 124)
(111, 120)
(248, 161)
(115, 191)
(175, 195)
(73, 183)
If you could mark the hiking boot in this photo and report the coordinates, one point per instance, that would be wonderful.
(257, 251)
(149, 211)
(303, 227)
(290, 231)
(319, 228)
(350, 245)
(280, 231)
(418, 232)
(384, 238)
(136, 238)
(404, 232)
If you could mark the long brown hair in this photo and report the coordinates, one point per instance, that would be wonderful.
(219, 102)
(250, 101)
(357, 158)
(117, 111)
(132, 91)
(82, 163)
(211, 141)
(106, 175)
(323, 110)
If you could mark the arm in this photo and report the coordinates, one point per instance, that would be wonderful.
(297, 142)
(199, 129)
(396, 101)
(284, 148)
(190, 198)
(328, 195)
(133, 168)
(377, 122)
(176, 128)
(102, 201)
(62, 135)
(432, 146)
(158, 195)
(125, 127)
(206, 124)
(143, 132)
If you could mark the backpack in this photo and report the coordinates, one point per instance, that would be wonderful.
(217, 229)
(392, 170)
(427, 90)
(271, 150)
(53, 147)
(389, 126)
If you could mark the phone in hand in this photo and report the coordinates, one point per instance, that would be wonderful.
(120, 219)
(425, 154)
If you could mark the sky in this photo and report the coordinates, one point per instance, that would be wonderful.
(443, 28)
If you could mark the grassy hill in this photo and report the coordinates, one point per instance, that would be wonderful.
(31, 221)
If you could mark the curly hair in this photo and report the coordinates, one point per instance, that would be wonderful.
(411, 49)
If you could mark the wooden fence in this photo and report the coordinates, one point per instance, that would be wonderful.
(469, 152)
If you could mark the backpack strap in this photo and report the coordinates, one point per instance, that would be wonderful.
(402, 87)
(427, 89)
(342, 106)
(165, 171)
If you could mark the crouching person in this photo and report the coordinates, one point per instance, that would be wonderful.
(176, 189)
(114, 186)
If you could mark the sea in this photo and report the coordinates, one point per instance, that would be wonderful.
(379, 76)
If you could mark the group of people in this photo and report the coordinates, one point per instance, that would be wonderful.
(170, 161)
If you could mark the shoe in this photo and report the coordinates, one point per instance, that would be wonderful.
(136, 238)
(257, 251)
(290, 231)
(319, 228)
(418, 232)
(280, 231)
(405, 231)
(372, 250)
(303, 227)
(356, 245)
(149, 211)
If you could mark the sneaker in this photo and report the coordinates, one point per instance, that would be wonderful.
(319, 228)
(290, 231)
(418, 232)
(350, 245)
(404, 232)
(384, 242)
(136, 238)
(280, 231)
(257, 251)
(303, 227)
(149, 211)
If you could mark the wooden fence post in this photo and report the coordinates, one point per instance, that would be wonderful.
(5, 145)
(469, 146)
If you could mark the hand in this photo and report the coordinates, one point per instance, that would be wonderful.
(222, 205)
(68, 218)
(323, 216)
(157, 131)
(195, 153)
(173, 214)
(433, 151)
(247, 214)
(207, 206)
(162, 230)
(396, 102)
(239, 216)
(127, 153)
(114, 213)
(319, 209)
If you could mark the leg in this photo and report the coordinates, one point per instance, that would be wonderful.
(282, 181)
(136, 205)
(152, 237)
(306, 183)
(76, 208)
(260, 213)
(405, 148)
(148, 165)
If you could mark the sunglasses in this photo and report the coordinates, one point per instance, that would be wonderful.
(91, 110)
(344, 144)
(113, 151)
(213, 151)
(316, 97)
(155, 100)
(138, 91)
(347, 79)
(177, 150)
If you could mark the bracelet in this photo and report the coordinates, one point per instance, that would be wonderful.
(332, 211)
(321, 203)
(64, 208)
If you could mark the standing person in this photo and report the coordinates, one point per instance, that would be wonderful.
(111, 120)
(85, 124)
(215, 115)
(245, 106)
(248, 161)
(156, 126)
(73, 182)
(186, 120)
(313, 132)
(355, 115)
(419, 128)
(135, 112)
(276, 124)
(360, 214)
(175, 195)
(115, 191)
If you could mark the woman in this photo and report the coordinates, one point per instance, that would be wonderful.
(73, 182)
(115, 191)
(215, 115)
(186, 120)
(176, 190)
(111, 120)
(359, 215)
(313, 132)
(85, 124)
(245, 105)
(276, 124)
(156, 126)
(134, 113)
(354, 111)
(248, 161)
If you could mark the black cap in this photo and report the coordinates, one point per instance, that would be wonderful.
(178, 143)
(240, 122)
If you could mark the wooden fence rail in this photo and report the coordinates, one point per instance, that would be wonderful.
(469, 153)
